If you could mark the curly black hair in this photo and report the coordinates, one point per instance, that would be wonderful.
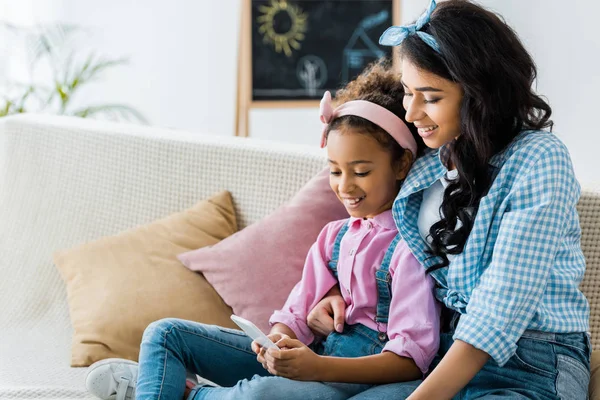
(483, 54)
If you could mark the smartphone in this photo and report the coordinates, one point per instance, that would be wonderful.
(253, 331)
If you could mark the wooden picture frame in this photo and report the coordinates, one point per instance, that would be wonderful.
(244, 96)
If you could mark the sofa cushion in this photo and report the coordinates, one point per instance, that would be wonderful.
(255, 269)
(117, 285)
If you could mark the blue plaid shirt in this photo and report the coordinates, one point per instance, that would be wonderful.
(522, 263)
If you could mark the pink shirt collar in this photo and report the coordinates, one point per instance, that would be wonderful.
(385, 220)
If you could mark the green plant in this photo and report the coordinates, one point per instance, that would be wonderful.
(52, 51)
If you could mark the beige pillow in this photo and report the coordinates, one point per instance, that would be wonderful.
(117, 285)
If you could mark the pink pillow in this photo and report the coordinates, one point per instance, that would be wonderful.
(255, 269)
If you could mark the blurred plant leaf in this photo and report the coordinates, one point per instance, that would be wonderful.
(54, 45)
(92, 68)
(5, 109)
(46, 40)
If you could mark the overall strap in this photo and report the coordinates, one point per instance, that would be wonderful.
(383, 279)
(336, 249)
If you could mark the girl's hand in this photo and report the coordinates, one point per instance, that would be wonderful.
(328, 315)
(260, 351)
(294, 360)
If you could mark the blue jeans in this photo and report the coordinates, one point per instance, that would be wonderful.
(170, 347)
(546, 366)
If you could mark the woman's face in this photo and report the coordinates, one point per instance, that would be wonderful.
(432, 103)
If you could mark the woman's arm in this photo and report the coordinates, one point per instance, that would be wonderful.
(460, 364)
(329, 314)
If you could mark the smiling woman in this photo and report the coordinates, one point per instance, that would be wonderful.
(490, 213)
(433, 109)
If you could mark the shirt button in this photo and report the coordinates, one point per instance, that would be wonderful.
(417, 184)
(352, 252)
(348, 291)
(369, 225)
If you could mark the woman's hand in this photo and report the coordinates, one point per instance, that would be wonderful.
(329, 314)
(294, 360)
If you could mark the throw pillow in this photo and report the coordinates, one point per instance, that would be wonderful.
(255, 269)
(118, 285)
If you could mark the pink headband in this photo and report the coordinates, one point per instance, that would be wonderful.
(380, 116)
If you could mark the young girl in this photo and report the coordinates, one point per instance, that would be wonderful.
(392, 319)
(490, 213)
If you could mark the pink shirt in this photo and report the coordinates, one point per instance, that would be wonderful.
(414, 319)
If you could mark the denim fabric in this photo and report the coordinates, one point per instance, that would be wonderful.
(354, 341)
(546, 366)
(170, 347)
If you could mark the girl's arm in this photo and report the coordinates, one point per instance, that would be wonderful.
(413, 330)
(386, 367)
(297, 361)
(447, 379)
(316, 281)
(280, 328)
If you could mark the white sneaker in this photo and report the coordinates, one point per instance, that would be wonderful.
(112, 379)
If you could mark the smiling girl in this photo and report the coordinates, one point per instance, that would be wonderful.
(392, 324)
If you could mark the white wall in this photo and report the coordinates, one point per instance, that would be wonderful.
(183, 56)
(182, 68)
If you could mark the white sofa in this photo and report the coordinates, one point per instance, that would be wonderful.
(64, 181)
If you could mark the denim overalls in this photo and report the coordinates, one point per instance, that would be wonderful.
(358, 340)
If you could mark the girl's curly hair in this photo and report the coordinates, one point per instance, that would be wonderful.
(379, 83)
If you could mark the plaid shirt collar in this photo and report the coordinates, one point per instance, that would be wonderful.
(424, 174)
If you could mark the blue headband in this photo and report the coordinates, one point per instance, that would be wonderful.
(394, 35)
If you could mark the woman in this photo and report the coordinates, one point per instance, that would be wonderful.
(490, 213)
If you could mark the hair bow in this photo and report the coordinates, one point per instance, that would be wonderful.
(326, 115)
(395, 35)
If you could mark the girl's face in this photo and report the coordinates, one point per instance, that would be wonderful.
(362, 174)
(432, 103)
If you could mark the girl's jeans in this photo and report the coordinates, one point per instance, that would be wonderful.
(170, 347)
(546, 366)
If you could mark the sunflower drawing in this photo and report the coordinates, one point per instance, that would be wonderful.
(283, 25)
